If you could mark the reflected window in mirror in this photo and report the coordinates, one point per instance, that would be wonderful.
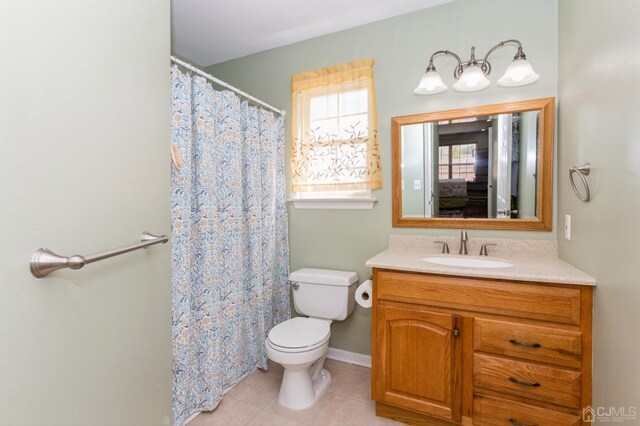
(457, 161)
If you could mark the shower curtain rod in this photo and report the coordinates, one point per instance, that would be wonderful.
(227, 85)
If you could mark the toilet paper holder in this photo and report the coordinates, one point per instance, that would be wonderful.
(364, 293)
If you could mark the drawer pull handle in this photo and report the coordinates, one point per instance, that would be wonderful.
(521, 383)
(528, 345)
(514, 422)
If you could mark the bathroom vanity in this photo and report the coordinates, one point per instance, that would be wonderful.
(506, 345)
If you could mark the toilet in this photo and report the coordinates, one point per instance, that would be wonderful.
(300, 344)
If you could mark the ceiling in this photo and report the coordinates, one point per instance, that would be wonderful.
(208, 32)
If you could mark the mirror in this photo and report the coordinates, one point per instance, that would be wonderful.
(488, 167)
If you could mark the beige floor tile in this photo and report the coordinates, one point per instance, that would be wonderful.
(359, 368)
(336, 367)
(335, 380)
(275, 369)
(258, 389)
(265, 418)
(338, 410)
(302, 416)
(337, 370)
(346, 402)
(355, 383)
(230, 412)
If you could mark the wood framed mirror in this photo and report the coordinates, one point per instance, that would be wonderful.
(487, 167)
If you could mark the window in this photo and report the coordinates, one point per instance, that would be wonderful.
(457, 162)
(335, 152)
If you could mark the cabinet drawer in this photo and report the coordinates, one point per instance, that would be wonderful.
(488, 411)
(527, 380)
(532, 342)
(516, 299)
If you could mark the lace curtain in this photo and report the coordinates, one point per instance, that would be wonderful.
(334, 129)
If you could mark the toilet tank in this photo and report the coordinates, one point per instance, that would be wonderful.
(324, 293)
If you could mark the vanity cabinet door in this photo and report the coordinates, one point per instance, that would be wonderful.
(419, 361)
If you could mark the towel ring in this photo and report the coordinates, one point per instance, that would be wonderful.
(582, 171)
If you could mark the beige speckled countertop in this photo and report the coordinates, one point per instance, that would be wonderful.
(533, 260)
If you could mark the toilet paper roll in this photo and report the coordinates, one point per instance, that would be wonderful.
(364, 294)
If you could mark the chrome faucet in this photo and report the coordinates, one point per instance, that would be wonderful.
(463, 242)
(483, 249)
(445, 246)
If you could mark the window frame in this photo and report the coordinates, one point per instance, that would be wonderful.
(450, 163)
(338, 199)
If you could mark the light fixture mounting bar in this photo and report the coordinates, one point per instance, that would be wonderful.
(519, 55)
(431, 67)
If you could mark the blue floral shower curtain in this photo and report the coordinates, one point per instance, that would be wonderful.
(230, 242)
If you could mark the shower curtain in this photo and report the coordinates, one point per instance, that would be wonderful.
(230, 255)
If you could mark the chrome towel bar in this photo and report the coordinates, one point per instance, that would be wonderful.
(44, 261)
(582, 172)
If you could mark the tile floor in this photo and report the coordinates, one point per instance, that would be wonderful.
(254, 401)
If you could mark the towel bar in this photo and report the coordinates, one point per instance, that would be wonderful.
(44, 261)
(582, 171)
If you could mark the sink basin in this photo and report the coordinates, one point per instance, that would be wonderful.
(466, 262)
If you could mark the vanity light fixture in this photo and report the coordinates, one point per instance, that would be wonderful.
(472, 75)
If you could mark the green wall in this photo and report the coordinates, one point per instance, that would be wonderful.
(345, 239)
(84, 167)
(599, 109)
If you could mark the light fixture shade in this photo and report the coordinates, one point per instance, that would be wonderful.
(472, 79)
(518, 73)
(430, 84)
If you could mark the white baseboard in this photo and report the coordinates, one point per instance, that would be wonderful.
(350, 357)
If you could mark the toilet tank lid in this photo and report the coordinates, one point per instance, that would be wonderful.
(323, 276)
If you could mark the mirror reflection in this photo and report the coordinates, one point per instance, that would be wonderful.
(473, 167)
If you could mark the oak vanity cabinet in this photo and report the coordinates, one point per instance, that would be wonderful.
(414, 343)
(472, 351)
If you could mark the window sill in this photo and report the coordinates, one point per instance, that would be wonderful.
(333, 203)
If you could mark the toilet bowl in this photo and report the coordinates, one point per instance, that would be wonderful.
(300, 344)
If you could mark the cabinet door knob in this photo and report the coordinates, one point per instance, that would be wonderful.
(455, 332)
(521, 383)
(528, 345)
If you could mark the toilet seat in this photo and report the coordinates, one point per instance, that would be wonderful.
(299, 334)
(296, 350)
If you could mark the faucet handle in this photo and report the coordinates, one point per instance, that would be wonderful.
(464, 236)
(483, 249)
(445, 246)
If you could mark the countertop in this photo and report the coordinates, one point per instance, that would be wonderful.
(532, 260)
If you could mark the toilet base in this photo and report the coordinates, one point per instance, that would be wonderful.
(302, 387)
